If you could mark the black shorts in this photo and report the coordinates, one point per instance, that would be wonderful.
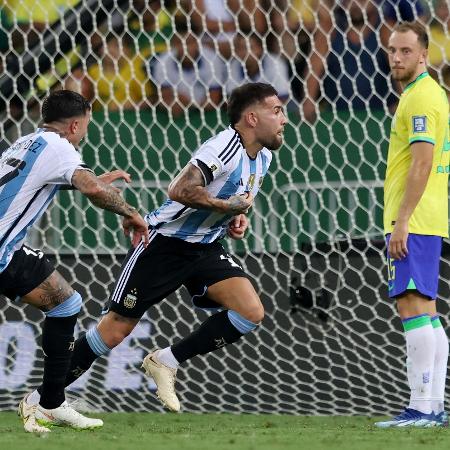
(27, 269)
(149, 275)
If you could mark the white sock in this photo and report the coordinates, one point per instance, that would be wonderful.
(440, 366)
(34, 398)
(166, 357)
(420, 351)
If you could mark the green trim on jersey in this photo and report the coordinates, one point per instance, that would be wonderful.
(421, 139)
(422, 75)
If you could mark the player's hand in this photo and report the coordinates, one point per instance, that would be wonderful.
(237, 227)
(110, 177)
(239, 204)
(138, 228)
(397, 244)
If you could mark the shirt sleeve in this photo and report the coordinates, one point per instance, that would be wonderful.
(421, 118)
(207, 155)
(65, 161)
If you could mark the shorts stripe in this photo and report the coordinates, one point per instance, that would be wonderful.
(125, 275)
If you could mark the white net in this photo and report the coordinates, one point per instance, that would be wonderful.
(158, 74)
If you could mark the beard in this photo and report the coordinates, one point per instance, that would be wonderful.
(404, 76)
(272, 143)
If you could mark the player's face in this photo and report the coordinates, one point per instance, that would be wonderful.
(407, 57)
(271, 121)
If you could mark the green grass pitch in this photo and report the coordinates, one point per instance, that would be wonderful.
(223, 431)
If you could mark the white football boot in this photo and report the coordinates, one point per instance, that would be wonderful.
(27, 413)
(65, 416)
(164, 378)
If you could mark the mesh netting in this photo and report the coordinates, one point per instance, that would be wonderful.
(158, 74)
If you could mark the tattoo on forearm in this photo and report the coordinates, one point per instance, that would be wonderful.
(106, 197)
(112, 201)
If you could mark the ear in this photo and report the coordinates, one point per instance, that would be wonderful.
(425, 56)
(251, 119)
(73, 126)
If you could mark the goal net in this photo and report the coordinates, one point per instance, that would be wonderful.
(158, 74)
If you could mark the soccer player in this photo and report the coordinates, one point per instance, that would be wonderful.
(32, 171)
(416, 220)
(207, 200)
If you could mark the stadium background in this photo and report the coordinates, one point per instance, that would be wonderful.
(316, 227)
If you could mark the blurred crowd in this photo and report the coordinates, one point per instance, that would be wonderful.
(179, 55)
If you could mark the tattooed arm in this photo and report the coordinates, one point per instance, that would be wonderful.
(107, 197)
(101, 194)
(188, 188)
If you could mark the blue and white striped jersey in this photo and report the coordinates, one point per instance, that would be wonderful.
(31, 172)
(233, 171)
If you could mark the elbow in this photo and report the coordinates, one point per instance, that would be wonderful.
(425, 168)
(174, 193)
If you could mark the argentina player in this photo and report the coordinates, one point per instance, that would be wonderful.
(207, 200)
(32, 171)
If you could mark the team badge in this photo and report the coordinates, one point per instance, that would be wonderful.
(130, 300)
(250, 182)
(419, 124)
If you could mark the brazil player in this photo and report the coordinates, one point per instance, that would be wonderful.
(416, 220)
(207, 200)
(32, 171)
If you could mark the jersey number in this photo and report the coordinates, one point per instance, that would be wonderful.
(230, 260)
(18, 166)
(391, 269)
(31, 251)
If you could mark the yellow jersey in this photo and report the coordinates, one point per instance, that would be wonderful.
(422, 115)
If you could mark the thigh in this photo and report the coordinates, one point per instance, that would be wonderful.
(28, 269)
(218, 280)
(412, 303)
(148, 275)
(237, 294)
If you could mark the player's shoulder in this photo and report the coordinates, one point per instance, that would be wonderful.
(54, 140)
(224, 140)
(426, 92)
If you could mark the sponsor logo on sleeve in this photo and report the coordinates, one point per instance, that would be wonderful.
(212, 166)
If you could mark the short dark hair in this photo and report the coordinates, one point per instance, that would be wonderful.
(246, 95)
(64, 104)
(417, 28)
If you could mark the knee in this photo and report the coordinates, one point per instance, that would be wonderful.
(114, 337)
(247, 322)
(255, 314)
(113, 332)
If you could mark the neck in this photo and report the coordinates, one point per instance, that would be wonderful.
(419, 72)
(251, 145)
(55, 129)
